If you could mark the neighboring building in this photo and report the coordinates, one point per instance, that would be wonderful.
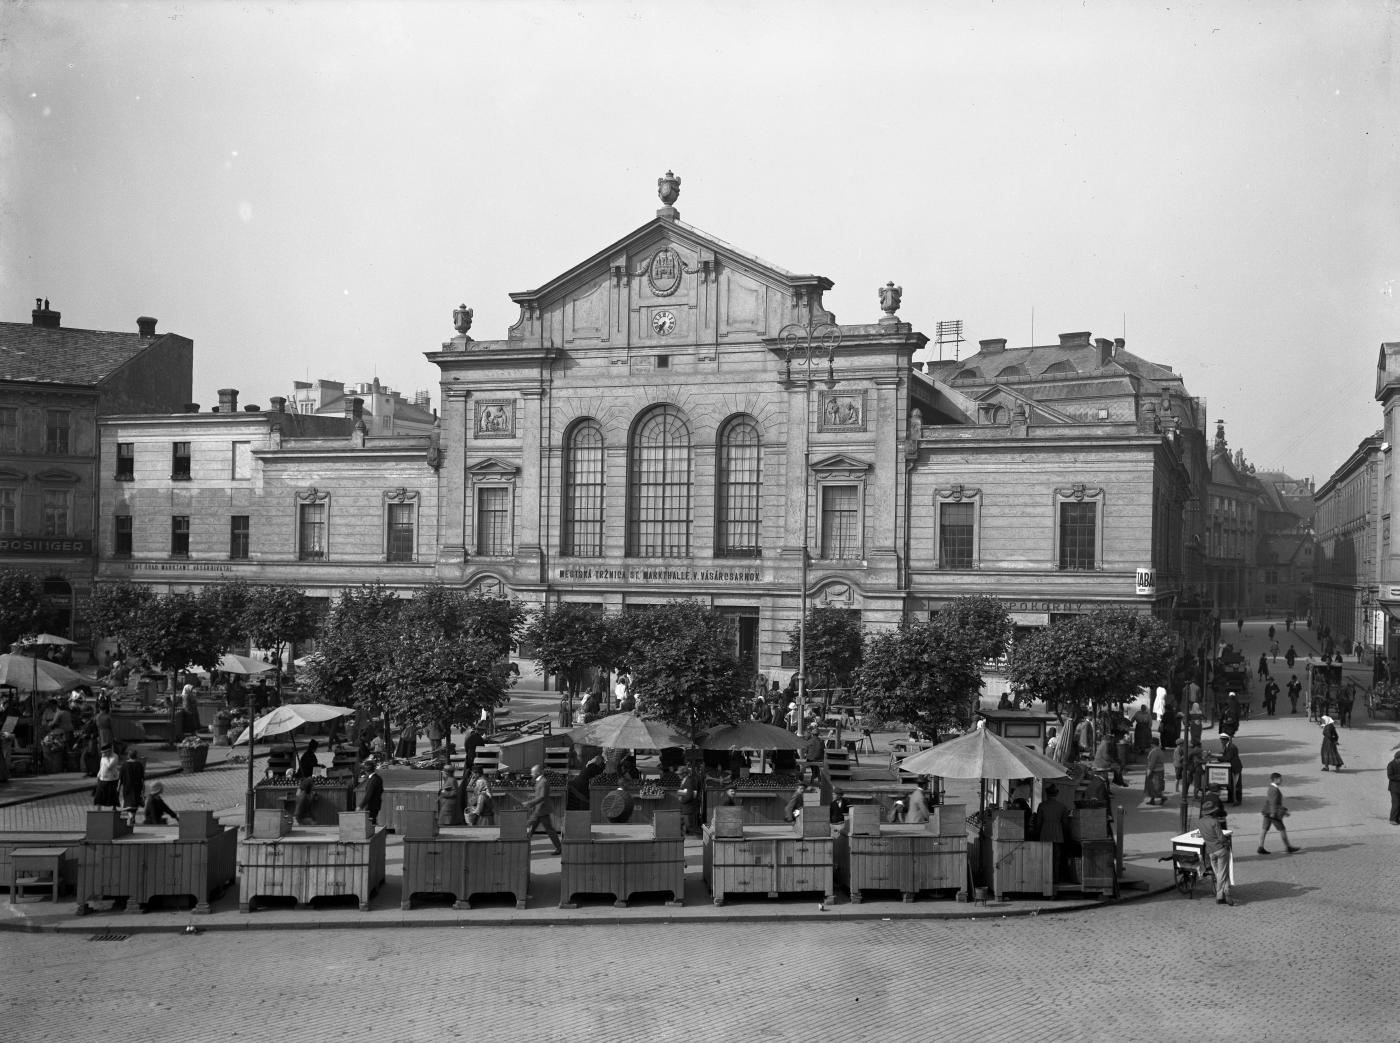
(1232, 540)
(1347, 517)
(1284, 570)
(385, 411)
(271, 497)
(54, 384)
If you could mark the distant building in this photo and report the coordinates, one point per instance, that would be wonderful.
(55, 382)
(1285, 557)
(386, 412)
(1348, 522)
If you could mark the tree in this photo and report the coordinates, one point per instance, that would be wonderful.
(272, 617)
(835, 643)
(22, 608)
(683, 666)
(1082, 664)
(982, 621)
(115, 609)
(355, 637)
(924, 673)
(569, 640)
(169, 631)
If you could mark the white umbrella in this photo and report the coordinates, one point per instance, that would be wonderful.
(291, 716)
(981, 754)
(241, 664)
(38, 675)
(46, 639)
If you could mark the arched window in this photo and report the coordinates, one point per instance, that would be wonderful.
(967, 374)
(1061, 368)
(583, 491)
(737, 490)
(1013, 371)
(658, 516)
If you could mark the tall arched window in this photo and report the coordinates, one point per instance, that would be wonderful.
(658, 517)
(583, 492)
(737, 490)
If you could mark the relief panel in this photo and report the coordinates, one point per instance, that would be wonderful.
(742, 303)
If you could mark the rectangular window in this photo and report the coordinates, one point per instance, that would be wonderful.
(180, 461)
(955, 522)
(840, 536)
(9, 429)
(57, 432)
(121, 536)
(400, 536)
(1078, 535)
(311, 532)
(9, 511)
(180, 536)
(493, 521)
(242, 461)
(238, 537)
(126, 461)
(57, 512)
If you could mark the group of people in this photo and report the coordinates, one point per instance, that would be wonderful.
(121, 785)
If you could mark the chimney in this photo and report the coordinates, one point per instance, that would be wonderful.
(1105, 347)
(991, 347)
(1075, 340)
(228, 400)
(252, 409)
(349, 407)
(191, 407)
(1118, 343)
(278, 403)
(42, 316)
(146, 327)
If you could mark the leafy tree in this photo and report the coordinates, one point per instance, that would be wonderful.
(683, 665)
(569, 640)
(835, 643)
(1087, 662)
(22, 608)
(272, 617)
(114, 609)
(924, 673)
(980, 620)
(355, 638)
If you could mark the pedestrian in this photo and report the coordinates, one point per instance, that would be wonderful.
(304, 811)
(1216, 846)
(620, 689)
(482, 811)
(449, 799)
(815, 753)
(131, 784)
(307, 763)
(1263, 666)
(104, 794)
(1229, 722)
(1083, 738)
(1271, 631)
(540, 812)
(1273, 651)
(1052, 826)
(189, 706)
(689, 797)
(1346, 698)
(156, 808)
(1274, 813)
(471, 742)
(1142, 729)
(1270, 696)
(1331, 758)
(1290, 656)
(1239, 624)
(1195, 723)
(1392, 774)
(1155, 784)
(373, 797)
(1106, 760)
(1288, 623)
(102, 721)
(1230, 754)
(1295, 688)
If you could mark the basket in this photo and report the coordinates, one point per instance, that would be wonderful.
(193, 758)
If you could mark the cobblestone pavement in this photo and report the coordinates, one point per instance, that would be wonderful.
(1307, 954)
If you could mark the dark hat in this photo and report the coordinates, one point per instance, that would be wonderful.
(1211, 806)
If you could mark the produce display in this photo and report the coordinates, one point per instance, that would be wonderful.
(524, 780)
(317, 782)
(770, 781)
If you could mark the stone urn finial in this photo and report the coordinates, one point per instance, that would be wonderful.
(890, 297)
(668, 188)
(462, 319)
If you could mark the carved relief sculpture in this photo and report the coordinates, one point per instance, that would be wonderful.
(495, 418)
(841, 411)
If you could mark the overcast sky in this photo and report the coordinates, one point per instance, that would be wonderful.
(307, 189)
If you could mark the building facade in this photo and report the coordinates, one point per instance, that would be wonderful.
(55, 382)
(1346, 513)
(384, 411)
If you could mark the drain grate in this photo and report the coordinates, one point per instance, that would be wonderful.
(109, 937)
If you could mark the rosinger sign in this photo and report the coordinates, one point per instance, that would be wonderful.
(29, 545)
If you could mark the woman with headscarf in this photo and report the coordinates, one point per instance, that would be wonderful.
(1330, 757)
(189, 705)
(1155, 784)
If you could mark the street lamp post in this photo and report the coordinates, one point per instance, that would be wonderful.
(805, 345)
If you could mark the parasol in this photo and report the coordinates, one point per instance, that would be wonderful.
(981, 754)
(750, 735)
(628, 731)
(46, 639)
(241, 664)
(290, 716)
(38, 675)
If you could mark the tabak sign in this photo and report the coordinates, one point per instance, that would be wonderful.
(1147, 581)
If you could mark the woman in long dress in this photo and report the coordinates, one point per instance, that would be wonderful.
(1330, 757)
(1155, 785)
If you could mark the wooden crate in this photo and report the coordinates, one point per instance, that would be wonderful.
(488, 758)
(815, 821)
(728, 821)
(948, 820)
(1089, 824)
(311, 863)
(864, 820)
(156, 861)
(1023, 866)
(838, 765)
(622, 860)
(466, 861)
(106, 824)
(269, 822)
(768, 860)
(1010, 825)
(355, 825)
(400, 802)
(1098, 859)
(511, 824)
(418, 825)
(198, 825)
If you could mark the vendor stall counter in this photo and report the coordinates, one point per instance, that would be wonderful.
(196, 857)
(622, 860)
(770, 860)
(463, 861)
(313, 861)
(875, 856)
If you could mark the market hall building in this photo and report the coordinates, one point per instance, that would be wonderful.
(675, 418)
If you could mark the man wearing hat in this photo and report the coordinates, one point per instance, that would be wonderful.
(840, 810)
(373, 797)
(1216, 844)
(1230, 754)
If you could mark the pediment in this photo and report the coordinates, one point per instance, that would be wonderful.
(58, 476)
(492, 469)
(840, 465)
(997, 404)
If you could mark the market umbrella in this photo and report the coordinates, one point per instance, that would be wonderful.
(292, 715)
(981, 754)
(47, 639)
(750, 735)
(628, 731)
(241, 664)
(30, 674)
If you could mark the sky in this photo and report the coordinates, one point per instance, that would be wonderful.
(308, 189)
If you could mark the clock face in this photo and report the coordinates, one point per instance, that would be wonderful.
(663, 322)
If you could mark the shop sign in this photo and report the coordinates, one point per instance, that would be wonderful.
(649, 574)
(27, 546)
(1147, 582)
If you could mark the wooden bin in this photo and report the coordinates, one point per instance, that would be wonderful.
(106, 825)
(838, 765)
(728, 822)
(271, 822)
(418, 825)
(865, 820)
(197, 825)
(948, 820)
(355, 826)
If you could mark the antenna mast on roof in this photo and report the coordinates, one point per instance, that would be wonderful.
(948, 332)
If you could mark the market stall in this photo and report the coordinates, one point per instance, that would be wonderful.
(306, 862)
(871, 855)
(463, 861)
(622, 860)
(334, 794)
(770, 860)
(195, 857)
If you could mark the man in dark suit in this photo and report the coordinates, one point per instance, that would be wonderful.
(1215, 845)
(540, 811)
(373, 797)
(1230, 754)
(1274, 813)
(1392, 773)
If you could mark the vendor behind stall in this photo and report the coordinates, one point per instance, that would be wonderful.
(576, 794)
